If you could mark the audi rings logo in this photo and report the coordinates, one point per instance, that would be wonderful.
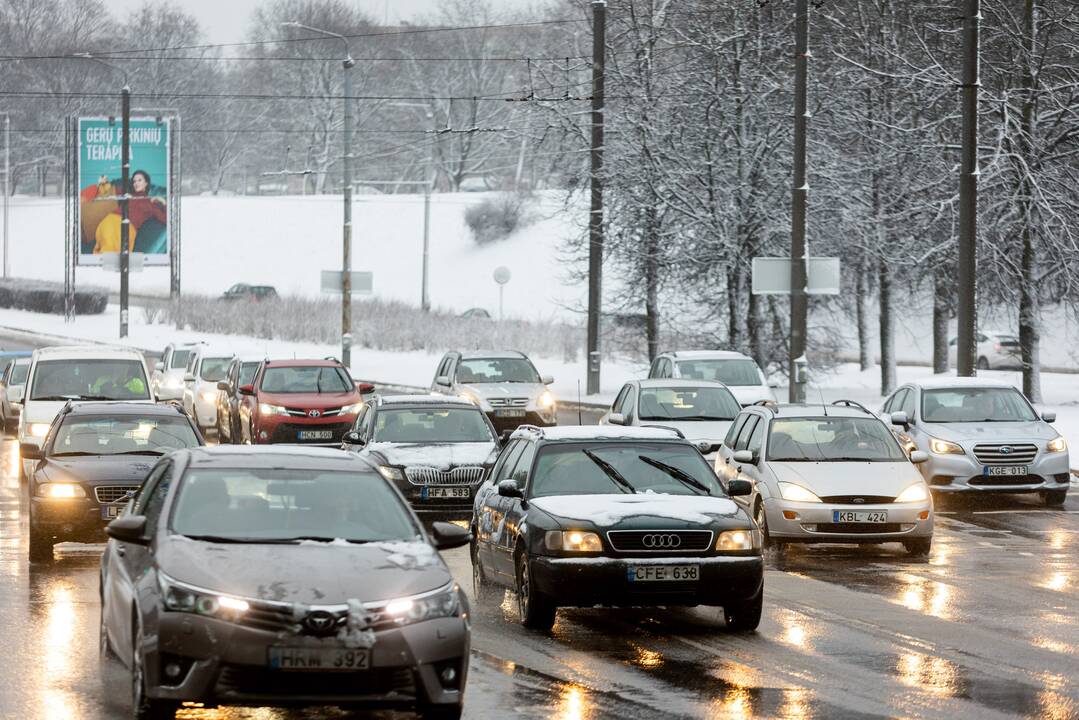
(320, 622)
(315, 413)
(658, 541)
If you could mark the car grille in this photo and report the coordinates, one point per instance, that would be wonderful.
(662, 541)
(1020, 454)
(507, 402)
(468, 475)
(990, 480)
(302, 412)
(286, 432)
(106, 494)
(263, 682)
(858, 499)
(859, 528)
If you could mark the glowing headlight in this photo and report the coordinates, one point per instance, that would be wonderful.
(444, 603)
(267, 409)
(797, 493)
(1057, 444)
(734, 540)
(390, 473)
(352, 409)
(573, 541)
(915, 493)
(174, 382)
(178, 597)
(546, 401)
(39, 430)
(943, 447)
(61, 490)
(209, 396)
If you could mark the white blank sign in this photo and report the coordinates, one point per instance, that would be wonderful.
(362, 281)
(772, 276)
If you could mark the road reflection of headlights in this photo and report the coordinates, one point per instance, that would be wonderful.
(573, 541)
(267, 409)
(178, 597)
(39, 430)
(546, 401)
(390, 473)
(445, 603)
(797, 493)
(943, 447)
(1057, 444)
(915, 493)
(735, 540)
(61, 490)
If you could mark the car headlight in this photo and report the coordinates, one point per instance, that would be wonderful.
(1057, 444)
(391, 473)
(209, 396)
(174, 383)
(573, 541)
(441, 604)
(546, 401)
(915, 493)
(61, 490)
(267, 409)
(39, 430)
(735, 540)
(943, 447)
(797, 493)
(177, 597)
(352, 409)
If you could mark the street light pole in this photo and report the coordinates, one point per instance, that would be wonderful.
(7, 191)
(595, 216)
(799, 305)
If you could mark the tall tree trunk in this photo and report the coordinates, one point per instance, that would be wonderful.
(942, 310)
(756, 329)
(651, 282)
(1029, 310)
(734, 307)
(862, 311)
(887, 331)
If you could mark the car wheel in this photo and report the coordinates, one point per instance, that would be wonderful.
(761, 518)
(536, 610)
(481, 586)
(1054, 498)
(983, 363)
(919, 547)
(144, 707)
(439, 712)
(744, 617)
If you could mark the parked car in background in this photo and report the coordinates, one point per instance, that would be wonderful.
(435, 449)
(994, 350)
(12, 386)
(616, 516)
(285, 576)
(738, 372)
(700, 409)
(504, 384)
(982, 436)
(81, 372)
(167, 379)
(827, 474)
(205, 369)
(243, 291)
(476, 313)
(303, 401)
(241, 371)
(94, 458)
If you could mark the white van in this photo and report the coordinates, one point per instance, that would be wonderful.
(85, 372)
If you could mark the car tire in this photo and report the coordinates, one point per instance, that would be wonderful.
(918, 547)
(746, 616)
(440, 712)
(1054, 498)
(536, 610)
(983, 363)
(143, 707)
(482, 588)
(761, 518)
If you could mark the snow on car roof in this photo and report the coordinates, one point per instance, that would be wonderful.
(484, 354)
(786, 410)
(105, 352)
(677, 382)
(709, 355)
(958, 382)
(599, 432)
(425, 400)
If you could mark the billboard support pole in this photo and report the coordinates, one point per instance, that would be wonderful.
(125, 222)
(175, 173)
(68, 217)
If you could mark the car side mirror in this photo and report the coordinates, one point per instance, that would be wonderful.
(900, 418)
(509, 488)
(919, 456)
(744, 456)
(1049, 416)
(353, 438)
(29, 451)
(547, 379)
(129, 528)
(222, 385)
(365, 387)
(739, 488)
(247, 389)
(189, 378)
(442, 380)
(773, 384)
(707, 448)
(159, 366)
(616, 419)
(448, 536)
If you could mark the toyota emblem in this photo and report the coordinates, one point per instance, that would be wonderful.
(661, 541)
(315, 413)
(1006, 450)
(320, 622)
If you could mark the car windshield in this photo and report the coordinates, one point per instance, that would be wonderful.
(122, 435)
(687, 403)
(18, 374)
(606, 468)
(214, 369)
(247, 372)
(435, 425)
(305, 380)
(262, 504)
(497, 370)
(728, 372)
(985, 404)
(89, 379)
(832, 439)
(179, 359)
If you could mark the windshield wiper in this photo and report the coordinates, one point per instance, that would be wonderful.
(611, 472)
(226, 539)
(320, 538)
(677, 473)
(76, 396)
(75, 453)
(139, 452)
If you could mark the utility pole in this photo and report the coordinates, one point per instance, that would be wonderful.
(7, 192)
(799, 304)
(968, 193)
(595, 217)
(125, 222)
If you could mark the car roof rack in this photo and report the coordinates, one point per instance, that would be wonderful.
(768, 404)
(853, 404)
(675, 430)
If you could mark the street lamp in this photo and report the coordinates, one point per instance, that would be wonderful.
(346, 171)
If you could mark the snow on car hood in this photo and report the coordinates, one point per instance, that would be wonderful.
(311, 572)
(506, 389)
(443, 456)
(121, 469)
(848, 478)
(1007, 432)
(712, 431)
(607, 510)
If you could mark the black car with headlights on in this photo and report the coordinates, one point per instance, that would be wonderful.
(435, 449)
(616, 516)
(282, 576)
(91, 462)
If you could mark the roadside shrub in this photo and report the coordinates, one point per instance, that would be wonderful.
(48, 297)
(495, 218)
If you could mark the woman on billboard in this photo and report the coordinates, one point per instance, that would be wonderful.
(147, 217)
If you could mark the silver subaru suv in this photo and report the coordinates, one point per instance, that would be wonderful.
(982, 436)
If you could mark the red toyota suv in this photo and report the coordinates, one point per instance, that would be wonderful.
(303, 401)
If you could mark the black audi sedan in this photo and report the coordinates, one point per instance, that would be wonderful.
(93, 459)
(282, 576)
(615, 516)
(435, 449)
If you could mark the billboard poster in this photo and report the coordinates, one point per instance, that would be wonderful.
(100, 187)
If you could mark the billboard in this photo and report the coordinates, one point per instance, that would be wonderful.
(100, 187)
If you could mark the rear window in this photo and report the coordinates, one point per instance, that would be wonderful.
(18, 374)
(86, 379)
(179, 359)
(729, 372)
(305, 380)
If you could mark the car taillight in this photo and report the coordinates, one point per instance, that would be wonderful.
(997, 347)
